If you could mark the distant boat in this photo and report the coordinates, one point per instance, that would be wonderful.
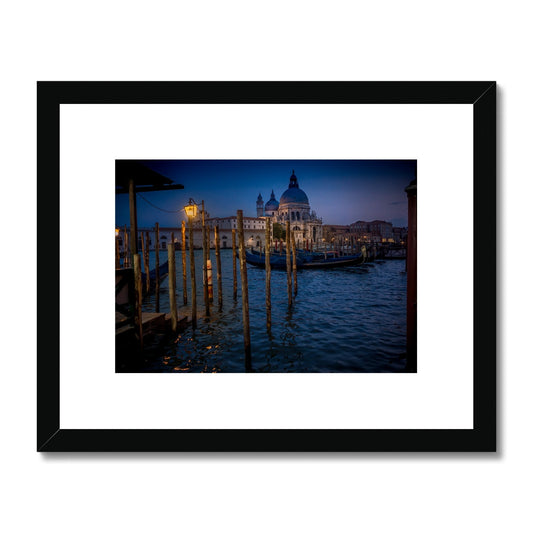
(314, 260)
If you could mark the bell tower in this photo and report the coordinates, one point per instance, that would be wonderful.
(260, 206)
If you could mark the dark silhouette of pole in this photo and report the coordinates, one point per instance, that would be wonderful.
(268, 275)
(172, 284)
(294, 274)
(288, 260)
(126, 251)
(209, 277)
(234, 256)
(193, 275)
(184, 261)
(143, 249)
(244, 294)
(219, 266)
(133, 217)
(157, 280)
(138, 299)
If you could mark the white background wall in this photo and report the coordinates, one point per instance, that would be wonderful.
(279, 40)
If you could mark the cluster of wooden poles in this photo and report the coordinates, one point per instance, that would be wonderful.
(292, 279)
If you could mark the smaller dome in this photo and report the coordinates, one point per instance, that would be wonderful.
(272, 204)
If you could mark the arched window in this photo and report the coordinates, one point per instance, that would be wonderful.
(297, 215)
(292, 215)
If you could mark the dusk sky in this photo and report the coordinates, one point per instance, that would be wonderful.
(340, 191)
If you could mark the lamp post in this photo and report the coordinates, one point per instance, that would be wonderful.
(190, 210)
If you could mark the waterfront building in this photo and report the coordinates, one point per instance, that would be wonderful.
(375, 231)
(399, 235)
(294, 206)
(254, 234)
(333, 231)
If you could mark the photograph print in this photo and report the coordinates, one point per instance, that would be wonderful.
(268, 266)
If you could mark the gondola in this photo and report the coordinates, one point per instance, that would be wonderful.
(333, 260)
(277, 261)
(163, 271)
(314, 260)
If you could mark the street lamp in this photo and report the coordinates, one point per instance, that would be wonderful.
(190, 210)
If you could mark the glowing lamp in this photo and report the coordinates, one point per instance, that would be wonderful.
(191, 209)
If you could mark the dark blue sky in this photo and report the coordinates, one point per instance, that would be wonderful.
(340, 191)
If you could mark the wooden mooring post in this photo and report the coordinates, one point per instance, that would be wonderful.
(294, 267)
(172, 285)
(209, 278)
(193, 275)
(126, 263)
(157, 280)
(234, 255)
(133, 216)
(205, 252)
(147, 240)
(244, 294)
(138, 298)
(288, 260)
(145, 262)
(219, 266)
(184, 261)
(267, 276)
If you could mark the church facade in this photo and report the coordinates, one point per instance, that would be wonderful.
(293, 206)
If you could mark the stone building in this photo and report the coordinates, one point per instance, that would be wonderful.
(375, 231)
(293, 206)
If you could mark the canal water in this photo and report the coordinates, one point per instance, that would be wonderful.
(351, 319)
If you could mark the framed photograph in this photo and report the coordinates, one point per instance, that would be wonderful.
(279, 286)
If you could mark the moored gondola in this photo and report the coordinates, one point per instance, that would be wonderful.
(315, 260)
(163, 271)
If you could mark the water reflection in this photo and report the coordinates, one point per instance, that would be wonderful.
(347, 320)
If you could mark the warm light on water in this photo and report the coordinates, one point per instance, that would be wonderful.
(351, 319)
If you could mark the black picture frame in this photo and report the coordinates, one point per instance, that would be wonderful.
(480, 94)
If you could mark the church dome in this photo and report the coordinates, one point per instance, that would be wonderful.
(293, 195)
(272, 204)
